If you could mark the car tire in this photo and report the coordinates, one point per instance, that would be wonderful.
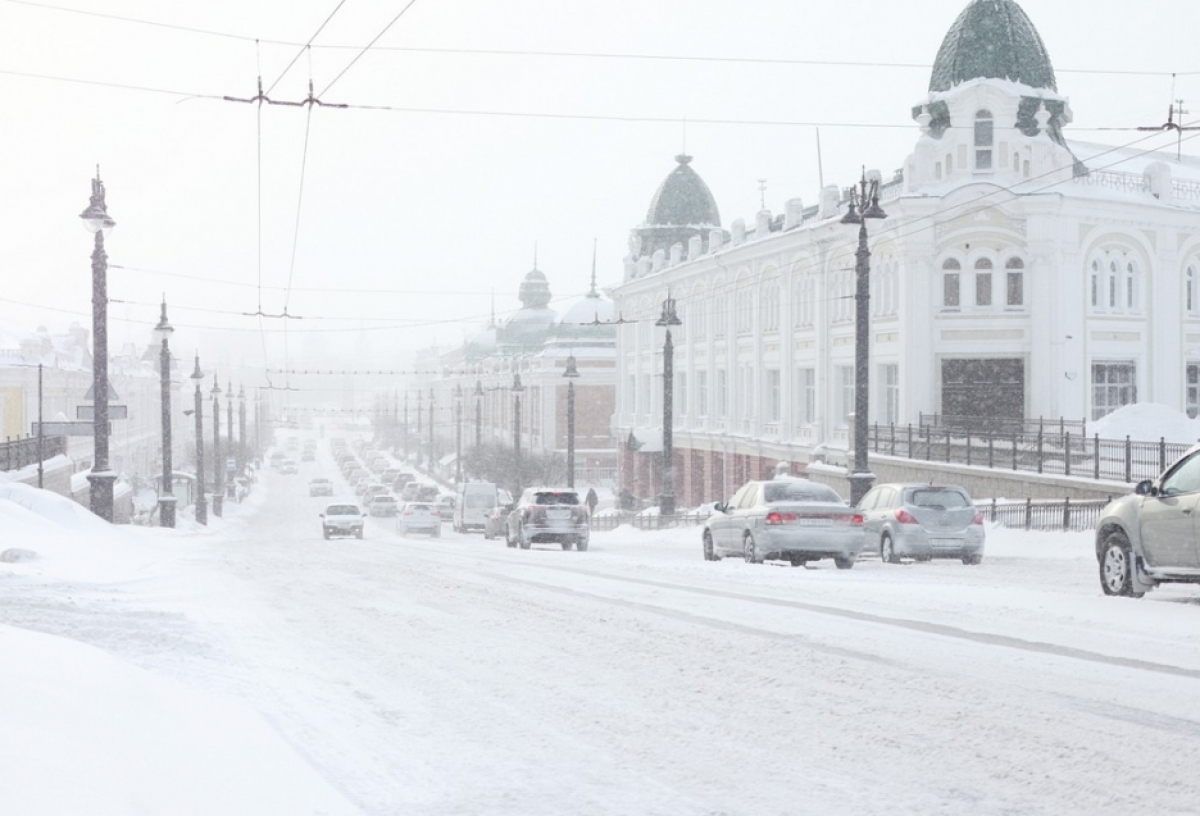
(525, 544)
(508, 539)
(487, 534)
(581, 543)
(887, 550)
(710, 554)
(358, 533)
(750, 550)
(972, 560)
(1116, 566)
(566, 545)
(437, 532)
(844, 563)
(326, 533)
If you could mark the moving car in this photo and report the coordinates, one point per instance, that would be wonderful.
(922, 521)
(496, 521)
(548, 514)
(382, 505)
(475, 501)
(445, 507)
(288, 466)
(308, 456)
(320, 487)
(342, 520)
(788, 519)
(1149, 537)
(419, 516)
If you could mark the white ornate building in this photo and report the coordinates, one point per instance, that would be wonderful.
(1019, 274)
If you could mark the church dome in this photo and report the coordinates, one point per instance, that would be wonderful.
(992, 39)
(535, 290)
(587, 311)
(683, 199)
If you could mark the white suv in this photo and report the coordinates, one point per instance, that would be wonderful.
(342, 520)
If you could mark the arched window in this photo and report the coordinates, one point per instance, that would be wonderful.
(949, 164)
(1095, 284)
(1112, 284)
(769, 307)
(951, 284)
(983, 282)
(985, 135)
(1190, 291)
(1014, 283)
(1132, 285)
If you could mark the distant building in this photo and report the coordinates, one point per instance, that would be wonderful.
(1019, 274)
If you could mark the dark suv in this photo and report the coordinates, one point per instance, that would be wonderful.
(548, 514)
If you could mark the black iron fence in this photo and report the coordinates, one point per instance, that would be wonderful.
(1003, 425)
(1065, 453)
(608, 520)
(17, 453)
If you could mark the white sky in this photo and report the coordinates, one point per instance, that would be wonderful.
(425, 204)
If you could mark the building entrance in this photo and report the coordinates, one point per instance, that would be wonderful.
(985, 395)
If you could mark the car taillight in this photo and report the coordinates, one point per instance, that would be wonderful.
(407, 513)
(905, 517)
(978, 517)
(435, 513)
(780, 518)
(856, 520)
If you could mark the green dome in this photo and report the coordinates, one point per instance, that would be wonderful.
(683, 199)
(992, 39)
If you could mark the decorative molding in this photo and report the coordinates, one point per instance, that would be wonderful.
(983, 334)
(1117, 337)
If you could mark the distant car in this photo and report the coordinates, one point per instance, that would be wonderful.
(1148, 537)
(474, 502)
(320, 487)
(786, 519)
(308, 456)
(289, 466)
(372, 490)
(342, 520)
(548, 514)
(382, 505)
(922, 521)
(445, 507)
(419, 516)
(496, 521)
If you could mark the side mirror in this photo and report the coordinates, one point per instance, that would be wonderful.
(1145, 488)
(720, 507)
(321, 515)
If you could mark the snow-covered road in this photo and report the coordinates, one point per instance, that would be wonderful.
(456, 676)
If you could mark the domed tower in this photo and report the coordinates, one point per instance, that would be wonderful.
(527, 328)
(993, 109)
(682, 207)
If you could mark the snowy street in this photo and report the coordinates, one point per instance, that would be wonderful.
(456, 676)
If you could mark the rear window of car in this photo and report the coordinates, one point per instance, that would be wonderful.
(415, 506)
(342, 510)
(384, 500)
(480, 501)
(940, 498)
(555, 497)
(798, 491)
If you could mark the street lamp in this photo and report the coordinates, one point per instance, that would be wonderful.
(96, 221)
(201, 503)
(478, 415)
(166, 498)
(242, 425)
(431, 454)
(458, 398)
(571, 373)
(218, 466)
(864, 204)
(517, 390)
(229, 425)
(406, 425)
(666, 501)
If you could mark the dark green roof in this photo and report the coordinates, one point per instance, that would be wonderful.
(992, 39)
(683, 199)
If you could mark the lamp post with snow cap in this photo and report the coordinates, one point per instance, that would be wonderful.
(97, 221)
(201, 502)
(241, 426)
(458, 398)
(166, 496)
(218, 469)
(666, 501)
(571, 373)
(864, 204)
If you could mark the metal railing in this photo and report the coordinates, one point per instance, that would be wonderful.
(1064, 454)
(605, 521)
(1007, 425)
(17, 453)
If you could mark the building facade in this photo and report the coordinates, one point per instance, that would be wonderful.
(1018, 274)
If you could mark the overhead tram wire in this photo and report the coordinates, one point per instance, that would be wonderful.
(307, 48)
(225, 282)
(367, 47)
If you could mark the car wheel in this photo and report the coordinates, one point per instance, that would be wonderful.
(972, 560)
(508, 539)
(887, 550)
(437, 532)
(1116, 566)
(566, 545)
(581, 543)
(709, 553)
(750, 550)
(487, 534)
(358, 533)
(326, 532)
(844, 563)
(525, 544)
(797, 561)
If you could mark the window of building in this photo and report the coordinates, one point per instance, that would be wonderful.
(745, 395)
(951, 284)
(681, 392)
(1112, 284)
(770, 307)
(699, 321)
(1095, 284)
(985, 134)
(722, 393)
(774, 398)
(631, 395)
(983, 282)
(1192, 398)
(845, 395)
(646, 397)
(1114, 385)
(1132, 286)
(745, 311)
(1014, 282)
(806, 396)
(1189, 294)
(701, 393)
(889, 375)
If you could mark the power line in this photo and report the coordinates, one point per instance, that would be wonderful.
(367, 47)
(304, 48)
(321, 290)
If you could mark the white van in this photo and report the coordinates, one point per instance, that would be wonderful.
(475, 501)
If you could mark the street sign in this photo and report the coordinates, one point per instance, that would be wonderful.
(66, 428)
(88, 412)
(90, 396)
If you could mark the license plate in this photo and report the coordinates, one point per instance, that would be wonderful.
(813, 522)
(946, 543)
(558, 514)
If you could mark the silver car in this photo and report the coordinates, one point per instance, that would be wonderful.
(789, 519)
(1149, 537)
(922, 521)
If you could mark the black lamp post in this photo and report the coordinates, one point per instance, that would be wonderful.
(418, 439)
(458, 398)
(431, 453)
(96, 220)
(242, 426)
(406, 426)
(666, 501)
(864, 204)
(233, 450)
(517, 390)
(478, 415)
(571, 373)
(201, 502)
(218, 465)
(166, 497)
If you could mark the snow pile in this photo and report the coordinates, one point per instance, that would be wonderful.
(1147, 422)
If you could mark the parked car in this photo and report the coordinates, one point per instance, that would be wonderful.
(788, 519)
(445, 507)
(419, 516)
(922, 521)
(1149, 537)
(496, 521)
(342, 520)
(548, 514)
(289, 466)
(382, 504)
(320, 487)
